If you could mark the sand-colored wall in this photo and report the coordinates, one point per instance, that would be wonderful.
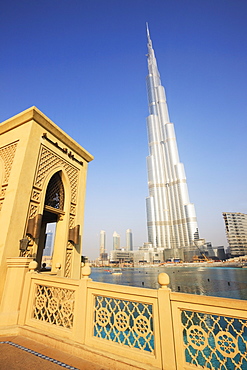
(32, 149)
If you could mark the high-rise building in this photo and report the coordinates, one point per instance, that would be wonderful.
(171, 218)
(48, 243)
(116, 241)
(102, 248)
(103, 256)
(236, 232)
(129, 240)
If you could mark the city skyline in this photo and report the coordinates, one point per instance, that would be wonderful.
(84, 65)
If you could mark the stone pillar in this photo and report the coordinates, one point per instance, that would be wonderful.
(166, 326)
(17, 267)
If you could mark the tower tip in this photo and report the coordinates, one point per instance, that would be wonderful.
(148, 34)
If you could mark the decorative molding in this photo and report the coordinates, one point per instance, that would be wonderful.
(64, 150)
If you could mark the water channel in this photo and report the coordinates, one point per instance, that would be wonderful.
(214, 281)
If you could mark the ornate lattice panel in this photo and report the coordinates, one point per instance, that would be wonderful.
(7, 154)
(47, 162)
(33, 210)
(54, 306)
(214, 342)
(72, 209)
(126, 323)
(69, 252)
(68, 261)
(50, 160)
(71, 221)
(36, 195)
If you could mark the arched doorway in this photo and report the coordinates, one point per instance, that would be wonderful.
(53, 210)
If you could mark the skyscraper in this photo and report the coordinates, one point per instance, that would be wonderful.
(103, 256)
(48, 243)
(236, 232)
(102, 242)
(129, 240)
(116, 241)
(171, 218)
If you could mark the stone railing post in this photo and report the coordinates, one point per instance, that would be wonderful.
(166, 324)
(32, 267)
(83, 305)
(17, 267)
(85, 270)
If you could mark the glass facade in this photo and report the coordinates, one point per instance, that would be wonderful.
(171, 218)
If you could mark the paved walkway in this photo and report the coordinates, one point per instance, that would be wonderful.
(18, 353)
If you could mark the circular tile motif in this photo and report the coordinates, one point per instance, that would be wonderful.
(197, 337)
(53, 305)
(141, 325)
(121, 321)
(40, 302)
(226, 344)
(67, 308)
(102, 316)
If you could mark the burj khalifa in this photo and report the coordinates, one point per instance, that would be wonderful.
(171, 218)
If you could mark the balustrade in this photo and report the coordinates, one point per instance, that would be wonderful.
(157, 329)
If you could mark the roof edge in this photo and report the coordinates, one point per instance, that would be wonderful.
(33, 113)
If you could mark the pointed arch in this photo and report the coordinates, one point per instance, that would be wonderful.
(56, 179)
(54, 210)
(55, 192)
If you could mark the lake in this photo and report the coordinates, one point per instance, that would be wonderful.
(214, 281)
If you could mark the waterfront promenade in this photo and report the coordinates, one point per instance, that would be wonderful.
(117, 327)
(18, 353)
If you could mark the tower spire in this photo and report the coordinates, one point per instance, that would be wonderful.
(171, 217)
(152, 64)
(148, 34)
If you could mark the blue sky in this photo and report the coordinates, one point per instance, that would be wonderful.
(83, 64)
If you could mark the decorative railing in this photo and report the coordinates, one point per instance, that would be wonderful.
(214, 341)
(153, 328)
(125, 322)
(209, 332)
(54, 305)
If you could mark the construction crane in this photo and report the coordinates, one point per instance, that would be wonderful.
(199, 243)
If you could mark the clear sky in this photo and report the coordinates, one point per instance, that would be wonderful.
(83, 64)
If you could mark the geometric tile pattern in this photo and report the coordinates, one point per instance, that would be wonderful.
(213, 341)
(124, 322)
(50, 160)
(47, 162)
(68, 260)
(69, 251)
(7, 154)
(54, 305)
(62, 364)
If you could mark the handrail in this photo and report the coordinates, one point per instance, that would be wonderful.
(150, 328)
